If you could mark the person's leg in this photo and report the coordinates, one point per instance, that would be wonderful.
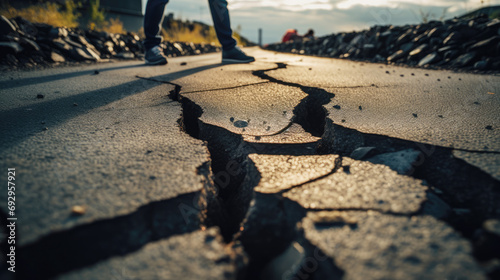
(153, 18)
(222, 24)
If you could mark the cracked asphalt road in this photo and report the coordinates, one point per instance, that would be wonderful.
(287, 154)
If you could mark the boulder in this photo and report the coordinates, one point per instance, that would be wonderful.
(26, 27)
(83, 53)
(10, 48)
(396, 56)
(453, 38)
(429, 59)
(58, 32)
(465, 59)
(55, 57)
(29, 45)
(6, 27)
(419, 52)
(486, 46)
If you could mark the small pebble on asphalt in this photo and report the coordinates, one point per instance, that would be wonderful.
(78, 210)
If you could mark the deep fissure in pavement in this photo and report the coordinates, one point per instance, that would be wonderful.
(310, 113)
(266, 224)
(234, 177)
(461, 185)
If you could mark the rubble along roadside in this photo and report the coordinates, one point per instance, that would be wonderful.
(470, 44)
(27, 45)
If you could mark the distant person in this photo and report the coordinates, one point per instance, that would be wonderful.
(153, 18)
(291, 35)
(309, 34)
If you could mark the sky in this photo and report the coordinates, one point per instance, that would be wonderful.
(323, 16)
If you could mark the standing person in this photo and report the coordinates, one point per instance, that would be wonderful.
(291, 35)
(153, 18)
(309, 34)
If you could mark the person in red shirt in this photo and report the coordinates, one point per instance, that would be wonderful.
(290, 35)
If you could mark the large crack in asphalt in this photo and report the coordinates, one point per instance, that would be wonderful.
(267, 224)
(234, 175)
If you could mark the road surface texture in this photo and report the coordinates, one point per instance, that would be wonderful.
(291, 167)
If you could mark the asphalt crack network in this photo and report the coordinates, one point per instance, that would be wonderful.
(234, 177)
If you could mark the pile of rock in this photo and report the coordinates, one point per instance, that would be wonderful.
(24, 44)
(472, 44)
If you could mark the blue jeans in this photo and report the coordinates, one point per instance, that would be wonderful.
(153, 18)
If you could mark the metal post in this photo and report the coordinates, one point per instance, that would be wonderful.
(260, 37)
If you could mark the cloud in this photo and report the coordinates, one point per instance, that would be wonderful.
(324, 16)
(290, 5)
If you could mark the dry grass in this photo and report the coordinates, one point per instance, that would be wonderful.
(49, 13)
(65, 16)
(114, 25)
(198, 34)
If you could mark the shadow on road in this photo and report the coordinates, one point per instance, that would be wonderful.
(21, 123)
(62, 76)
